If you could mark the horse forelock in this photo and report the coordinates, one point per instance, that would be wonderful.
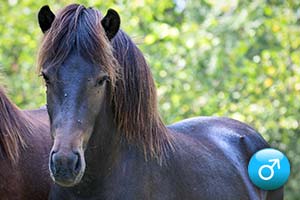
(14, 125)
(134, 97)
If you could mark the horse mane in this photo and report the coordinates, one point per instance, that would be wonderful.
(134, 99)
(13, 126)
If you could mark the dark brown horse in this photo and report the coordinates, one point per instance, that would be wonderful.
(109, 140)
(24, 148)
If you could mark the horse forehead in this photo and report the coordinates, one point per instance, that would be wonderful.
(76, 67)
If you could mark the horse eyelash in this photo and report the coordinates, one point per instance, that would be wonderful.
(102, 80)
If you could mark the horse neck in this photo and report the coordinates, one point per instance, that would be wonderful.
(104, 145)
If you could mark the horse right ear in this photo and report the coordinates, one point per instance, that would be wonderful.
(111, 23)
(45, 17)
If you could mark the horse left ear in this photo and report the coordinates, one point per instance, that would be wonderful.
(45, 17)
(111, 23)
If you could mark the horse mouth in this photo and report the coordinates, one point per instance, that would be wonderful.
(65, 180)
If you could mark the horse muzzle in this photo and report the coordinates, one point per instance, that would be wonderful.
(66, 168)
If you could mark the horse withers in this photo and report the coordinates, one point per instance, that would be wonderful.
(24, 148)
(109, 140)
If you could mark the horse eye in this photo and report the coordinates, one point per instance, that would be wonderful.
(46, 78)
(102, 80)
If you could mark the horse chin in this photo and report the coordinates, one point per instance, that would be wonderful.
(65, 184)
(68, 182)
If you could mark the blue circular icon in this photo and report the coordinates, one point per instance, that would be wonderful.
(269, 169)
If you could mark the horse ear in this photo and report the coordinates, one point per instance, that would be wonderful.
(111, 23)
(45, 17)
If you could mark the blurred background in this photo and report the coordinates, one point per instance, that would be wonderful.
(239, 59)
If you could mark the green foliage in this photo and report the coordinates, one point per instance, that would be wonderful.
(239, 59)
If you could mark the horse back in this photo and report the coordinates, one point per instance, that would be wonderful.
(217, 151)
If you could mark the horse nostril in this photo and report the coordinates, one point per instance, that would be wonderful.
(52, 165)
(77, 165)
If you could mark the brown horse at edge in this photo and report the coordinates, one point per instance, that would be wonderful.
(24, 148)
